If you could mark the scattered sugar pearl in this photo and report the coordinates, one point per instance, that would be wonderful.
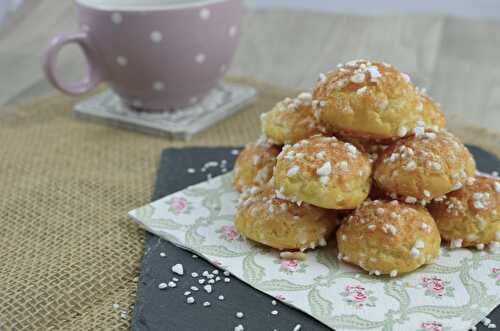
(194, 274)
(172, 284)
(297, 327)
(208, 288)
(163, 254)
(358, 78)
(220, 297)
(377, 273)
(178, 269)
(371, 227)
(480, 246)
(194, 256)
(486, 321)
(226, 273)
(405, 77)
(191, 170)
(411, 200)
(393, 273)
(239, 314)
(361, 90)
(194, 288)
(274, 312)
(239, 328)
(187, 293)
(379, 211)
(162, 286)
(227, 280)
(175, 279)
(201, 281)
(274, 303)
(402, 131)
(206, 304)
(190, 300)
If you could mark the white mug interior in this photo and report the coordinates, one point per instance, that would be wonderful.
(144, 4)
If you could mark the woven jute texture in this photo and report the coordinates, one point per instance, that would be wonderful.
(68, 252)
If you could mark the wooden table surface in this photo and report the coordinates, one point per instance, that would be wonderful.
(454, 58)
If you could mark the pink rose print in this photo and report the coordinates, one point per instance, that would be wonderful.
(495, 274)
(228, 233)
(358, 296)
(178, 205)
(432, 326)
(436, 287)
(291, 266)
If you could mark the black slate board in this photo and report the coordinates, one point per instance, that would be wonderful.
(167, 310)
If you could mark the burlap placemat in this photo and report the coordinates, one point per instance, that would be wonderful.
(68, 252)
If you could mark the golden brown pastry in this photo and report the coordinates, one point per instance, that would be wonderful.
(290, 120)
(324, 172)
(388, 237)
(372, 100)
(269, 220)
(254, 165)
(424, 166)
(470, 216)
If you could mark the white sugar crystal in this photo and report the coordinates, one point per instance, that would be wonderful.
(226, 273)
(163, 254)
(374, 73)
(206, 304)
(322, 78)
(406, 77)
(389, 228)
(178, 269)
(208, 288)
(201, 281)
(324, 180)
(414, 252)
(393, 273)
(194, 288)
(175, 279)
(344, 166)
(377, 273)
(274, 312)
(320, 155)
(361, 90)
(351, 148)
(379, 211)
(358, 78)
(274, 303)
(293, 171)
(239, 328)
(162, 286)
(456, 243)
(187, 293)
(172, 284)
(371, 226)
(297, 327)
(402, 131)
(480, 246)
(412, 165)
(190, 300)
(419, 244)
(344, 237)
(325, 169)
(425, 227)
(411, 199)
(497, 186)
(191, 170)
(227, 280)
(240, 314)
(220, 297)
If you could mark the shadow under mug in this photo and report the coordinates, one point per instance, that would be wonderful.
(155, 54)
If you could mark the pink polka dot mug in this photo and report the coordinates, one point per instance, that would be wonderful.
(155, 54)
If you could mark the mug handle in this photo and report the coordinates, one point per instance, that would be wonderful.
(93, 77)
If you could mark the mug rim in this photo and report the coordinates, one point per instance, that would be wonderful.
(142, 8)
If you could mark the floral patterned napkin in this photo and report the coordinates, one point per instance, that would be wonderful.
(453, 294)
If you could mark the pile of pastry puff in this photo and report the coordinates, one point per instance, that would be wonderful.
(367, 155)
